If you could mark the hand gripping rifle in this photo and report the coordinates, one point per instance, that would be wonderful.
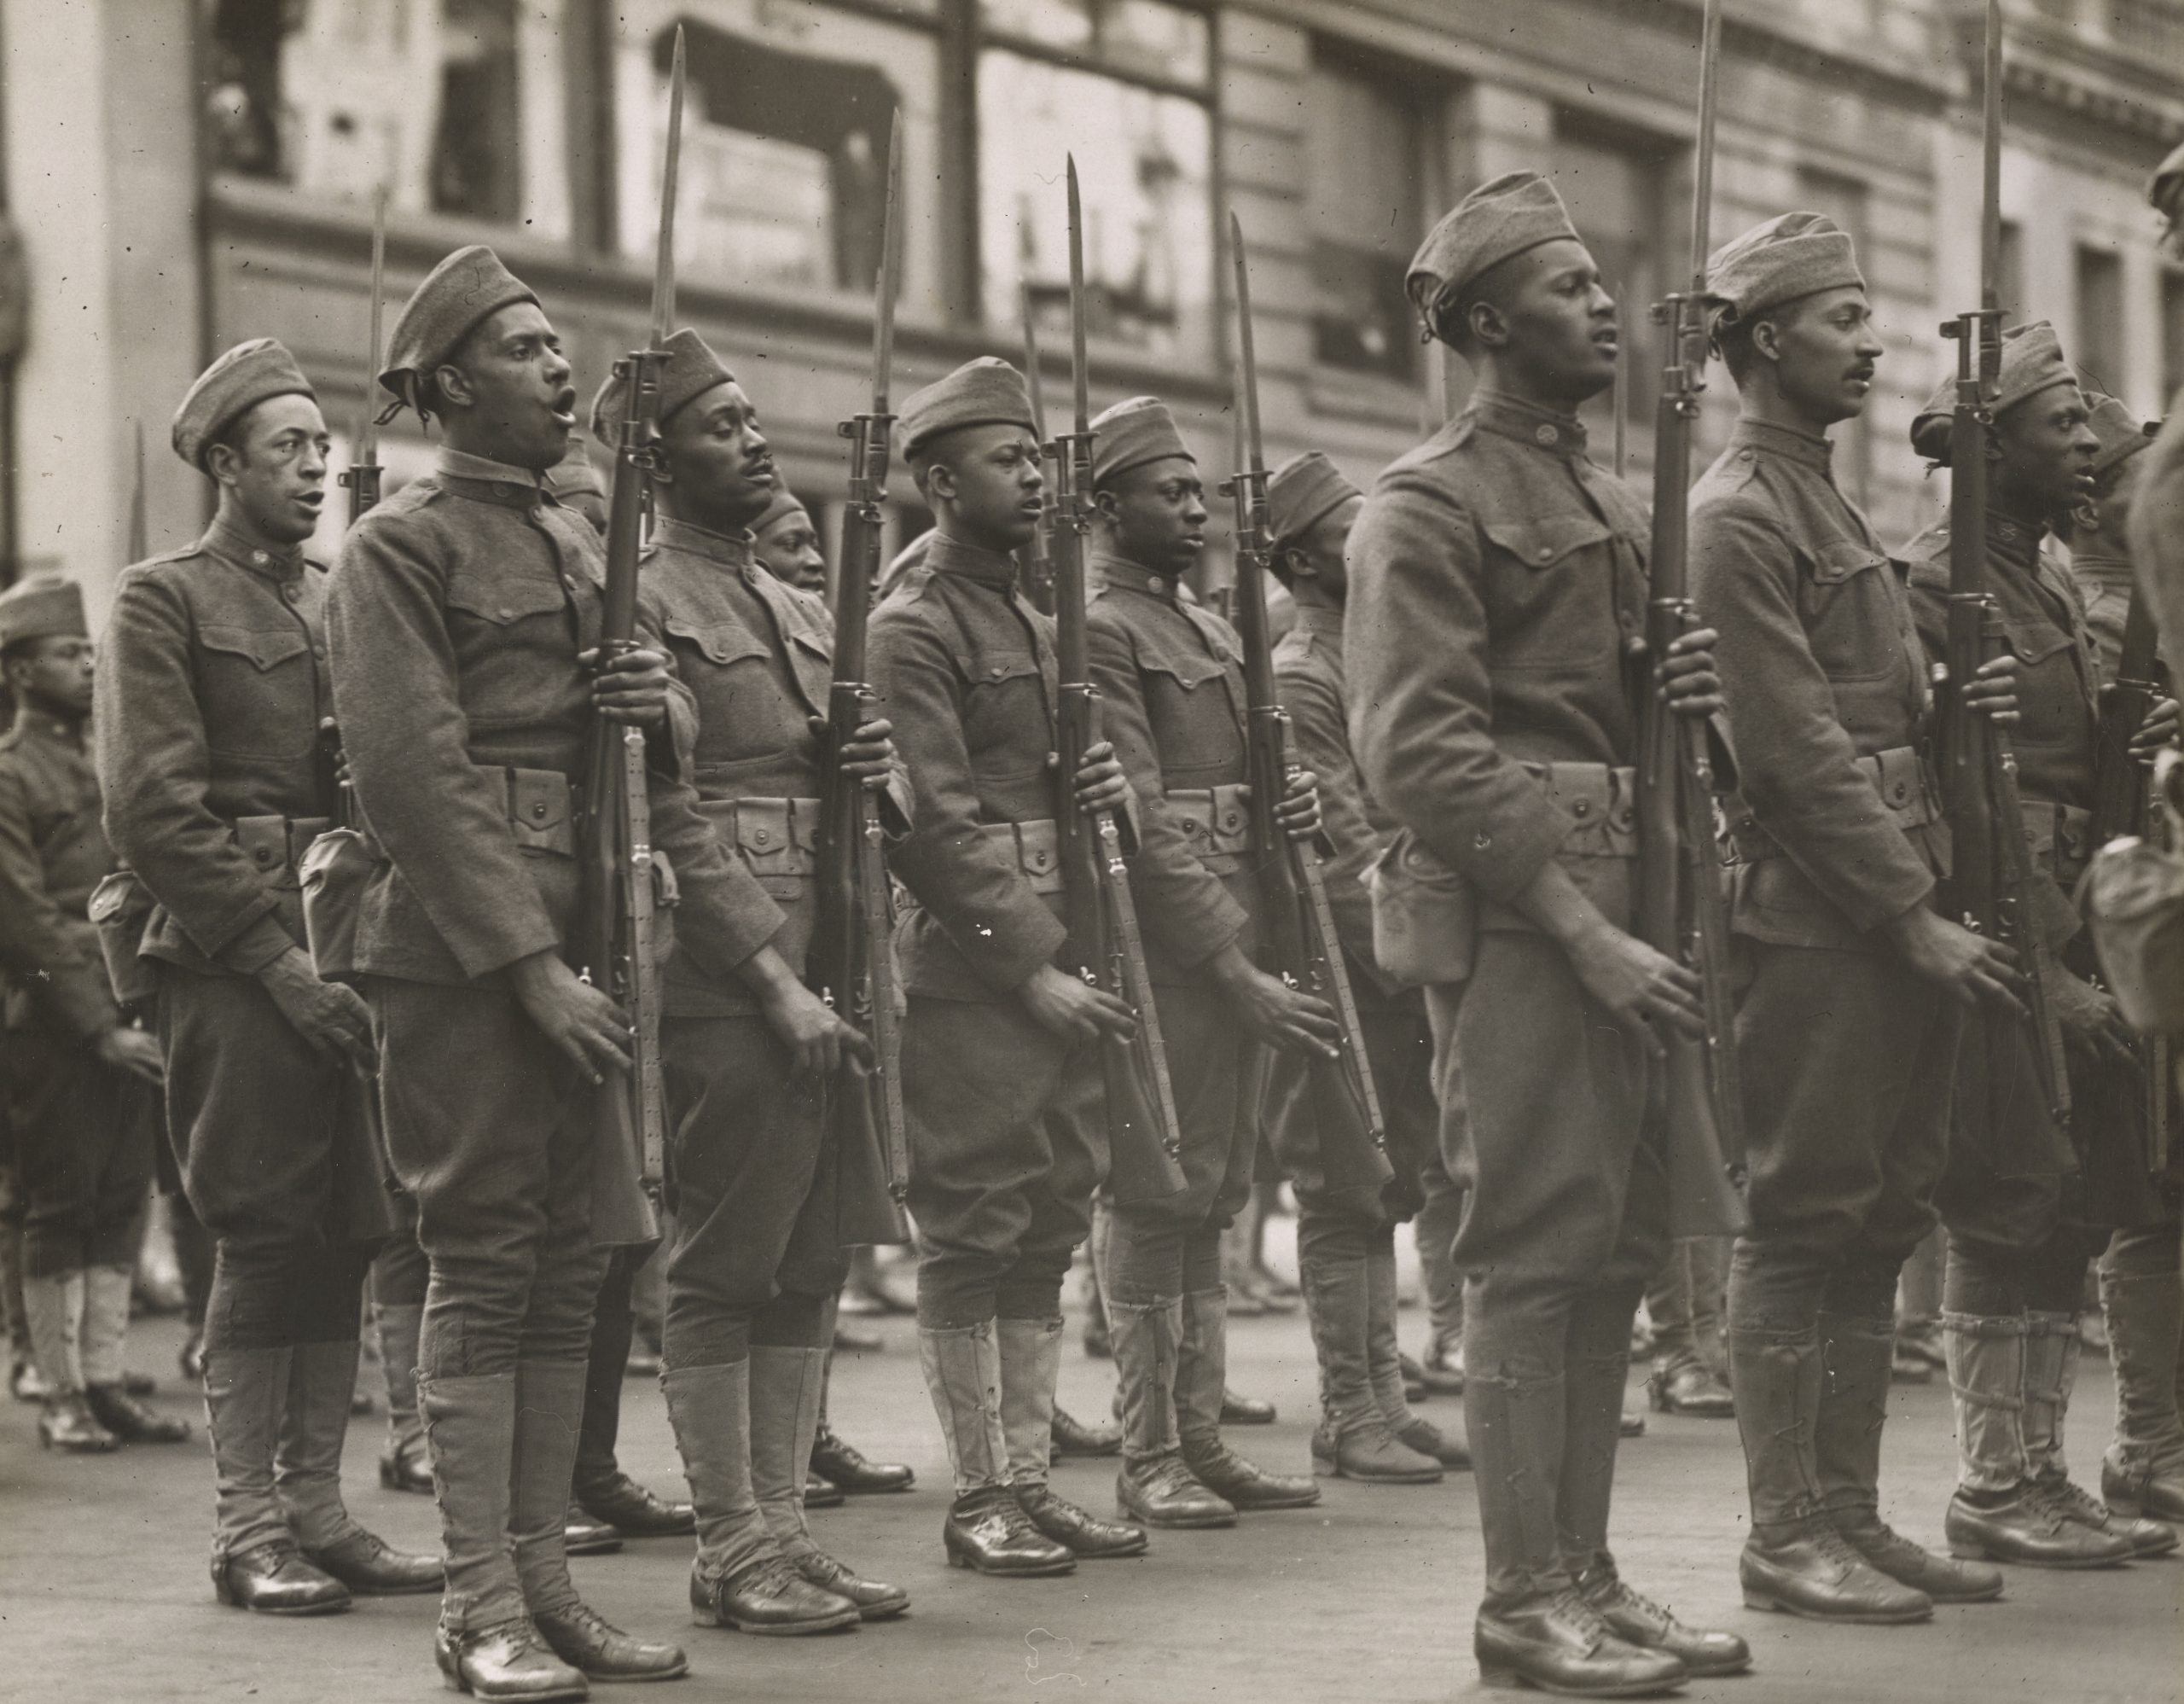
(1301, 937)
(614, 948)
(851, 962)
(1680, 908)
(1990, 875)
(1144, 1135)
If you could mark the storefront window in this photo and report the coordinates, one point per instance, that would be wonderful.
(457, 106)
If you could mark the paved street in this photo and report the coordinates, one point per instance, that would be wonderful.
(103, 1593)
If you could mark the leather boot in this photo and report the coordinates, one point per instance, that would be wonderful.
(1352, 1439)
(1031, 1363)
(1636, 1619)
(255, 1561)
(1795, 1561)
(307, 1477)
(1201, 1363)
(822, 1493)
(1075, 1437)
(1684, 1384)
(1384, 1362)
(66, 1423)
(582, 1535)
(549, 1418)
(1856, 1359)
(787, 1386)
(105, 1330)
(741, 1578)
(2143, 1472)
(1557, 1642)
(508, 1661)
(986, 1529)
(1154, 1486)
(1239, 1409)
(2051, 1346)
(635, 1512)
(840, 1462)
(402, 1463)
(53, 1312)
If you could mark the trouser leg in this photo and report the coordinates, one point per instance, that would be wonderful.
(606, 1360)
(2143, 1472)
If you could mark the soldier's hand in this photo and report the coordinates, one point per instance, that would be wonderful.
(1299, 812)
(818, 1040)
(1974, 969)
(328, 1015)
(1102, 787)
(586, 1027)
(1689, 685)
(870, 754)
(1640, 985)
(2158, 730)
(1283, 1018)
(1075, 1010)
(1993, 691)
(2090, 1021)
(134, 1051)
(631, 687)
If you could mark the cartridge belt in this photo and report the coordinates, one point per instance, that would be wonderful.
(1217, 821)
(1601, 800)
(275, 845)
(541, 805)
(1036, 848)
(2059, 838)
(1899, 777)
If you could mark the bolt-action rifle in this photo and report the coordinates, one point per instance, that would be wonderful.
(1145, 1136)
(1680, 910)
(851, 962)
(1305, 950)
(1038, 560)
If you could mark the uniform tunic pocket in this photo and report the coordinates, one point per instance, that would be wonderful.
(1850, 614)
(258, 694)
(1552, 601)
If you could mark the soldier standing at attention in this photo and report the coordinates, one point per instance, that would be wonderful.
(754, 1268)
(2019, 1244)
(1171, 676)
(1001, 1067)
(212, 690)
(1346, 1238)
(1848, 1034)
(82, 1080)
(463, 620)
(786, 543)
(1496, 576)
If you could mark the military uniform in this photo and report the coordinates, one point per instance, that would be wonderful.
(85, 1126)
(213, 688)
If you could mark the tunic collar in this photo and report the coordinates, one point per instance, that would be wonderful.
(66, 735)
(1560, 434)
(227, 543)
(732, 549)
(1125, 575)
(1765, 438)
(951, 556)
(2013, 541)
(498, 482)
(1316, 619)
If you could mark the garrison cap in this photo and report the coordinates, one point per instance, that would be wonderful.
(457, 296)
(692, 368)
(2032, 362)
(1304, 490)
(1516, 211)
(42, 607)
(246, 376)
(2121, 434)
(1131, 434)
(785, 501)
(986, 391)
(1790, 255)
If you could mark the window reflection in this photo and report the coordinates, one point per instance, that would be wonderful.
(1364, 153)
(1146, 38)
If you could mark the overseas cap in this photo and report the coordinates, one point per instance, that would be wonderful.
(785, 501)
(1304, 490)
(1131, 434)
(2032, 362)
(246, 376)
(42, 607)
(986, 391)
(1790, 256)
(1516, 211)
(2121, 434)
(455, 297)
(692, 370)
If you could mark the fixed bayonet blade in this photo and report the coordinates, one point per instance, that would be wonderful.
(368, 419)
(139, 528)
(1702, 177)
(1247, 371)
(1990, 180)
(1080, 367)
(890, 280)
(663, 273)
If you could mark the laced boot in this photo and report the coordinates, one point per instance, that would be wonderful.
(1154, 1488)
(1352, 1439)
(1030, 1363)
(2143, 1472)
(1683, 1383)
(986, 1529)
(2052, 1346)
(585, 1640)
(1239, 1409)
(307, 1477)
(1075, 1437)
(1857, 1356)
(1384, 1362)
(835, 1460)
(255, 1562)
(66, 1422)
(1795, 1561)
(53, 1312)
(1636, 1619)
(508, 1661)
(1201, 1363)
(1557, 1642)
(788, 1390)
(402, 1462)
(105, 1330)
(634, 1512)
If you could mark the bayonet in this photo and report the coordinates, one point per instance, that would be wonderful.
(362, 476)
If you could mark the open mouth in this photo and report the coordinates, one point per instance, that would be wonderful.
(564, 407)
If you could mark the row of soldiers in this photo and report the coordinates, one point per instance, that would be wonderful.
(1457, 676)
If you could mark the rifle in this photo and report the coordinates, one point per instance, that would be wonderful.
(1990, 884)
(614, 947)
(360, 478)
(1680, 909)
(1301, 937)
(1039, 564)
(1144, 1135)
(851, 962)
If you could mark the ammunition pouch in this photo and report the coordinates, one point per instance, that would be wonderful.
(120, 907)
(1216, 822)
(778, 839)
(2060, 837)
(1034, 847)
(543, 806)
(1602, 801)
(1899, 777)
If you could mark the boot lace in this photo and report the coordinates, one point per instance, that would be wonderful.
(2072, 1501)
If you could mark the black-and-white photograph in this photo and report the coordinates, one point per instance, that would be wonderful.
(1320, 851)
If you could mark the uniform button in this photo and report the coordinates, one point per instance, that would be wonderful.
(259, 558)
(506, 613)
(539, 811)
(1548, 435)
(1481, 841)
(1582, 808)
(1546, 551)
(761, 838)
(996, 670)
(291, 592)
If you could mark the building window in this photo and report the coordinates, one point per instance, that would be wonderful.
(1365, 173)
(2098, 354)
(785, 136)
(457, 106)
(1614, 182)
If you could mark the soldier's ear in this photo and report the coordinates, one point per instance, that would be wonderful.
(454, 387)
(1489, 329)
(938, 482)
(1767, 340)
(1107, 505)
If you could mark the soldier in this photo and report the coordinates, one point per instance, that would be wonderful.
(81, 1078)
(463, 620)
(754, 1267)
(2157, 533)
(786, 543)
(1849, 1032)
(1001, 1068)
(1496, 576)
(211, 691)
(1172, 676)
(2019, 1245)
(1346, 1238)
